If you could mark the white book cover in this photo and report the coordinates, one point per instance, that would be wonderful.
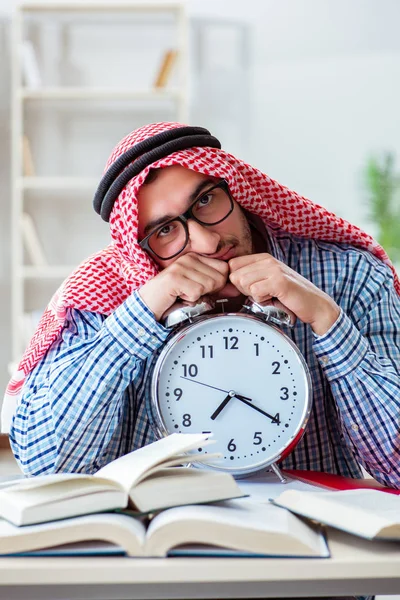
(30, 66)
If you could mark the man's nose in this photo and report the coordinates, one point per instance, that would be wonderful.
(201, 238)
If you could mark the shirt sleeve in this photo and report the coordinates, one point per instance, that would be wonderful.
(360, 356)
(72, 401)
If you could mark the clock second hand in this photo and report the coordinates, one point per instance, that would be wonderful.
(212, 386)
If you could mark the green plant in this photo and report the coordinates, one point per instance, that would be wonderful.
(384, 202)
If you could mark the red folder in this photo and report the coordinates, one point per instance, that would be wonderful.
(330, 481)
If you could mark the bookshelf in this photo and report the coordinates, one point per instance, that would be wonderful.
(71, 93)
(83, 74)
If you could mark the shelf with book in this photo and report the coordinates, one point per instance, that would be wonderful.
(71, 102)
(68, 93)
(57, 183)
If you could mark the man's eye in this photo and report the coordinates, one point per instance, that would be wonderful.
(166, 230)
(204, 200)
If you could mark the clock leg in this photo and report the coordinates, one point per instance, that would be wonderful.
(278, 473)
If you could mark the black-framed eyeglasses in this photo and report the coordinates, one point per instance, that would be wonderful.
(212, 207)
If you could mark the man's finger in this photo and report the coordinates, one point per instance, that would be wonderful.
(214, 263)
(243, 261)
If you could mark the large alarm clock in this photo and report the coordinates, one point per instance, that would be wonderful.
(237, 376)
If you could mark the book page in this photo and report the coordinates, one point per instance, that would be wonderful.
(119, 530)
(379, 504)
(92, 548)
(42, 481)
(362, 512)
(177, 486)
(128, 469)
(184, 460)
(235, 524)
(66, 489)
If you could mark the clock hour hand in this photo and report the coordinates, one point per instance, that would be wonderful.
(221, 407)
(246, 401)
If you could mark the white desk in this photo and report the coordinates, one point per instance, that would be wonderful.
(356, 567)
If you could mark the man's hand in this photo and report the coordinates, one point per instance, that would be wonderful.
(263, 277)
(189, 277)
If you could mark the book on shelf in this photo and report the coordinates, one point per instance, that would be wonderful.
(32, 243)
(167, 64)
(27, 158)
(239, 528)
(367, 513)
(30, 67)
(146, 480)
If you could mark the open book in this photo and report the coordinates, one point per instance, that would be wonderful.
(368, 513)
(146, 480)
(238, 527)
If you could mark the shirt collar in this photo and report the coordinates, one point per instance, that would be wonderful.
(265, 238)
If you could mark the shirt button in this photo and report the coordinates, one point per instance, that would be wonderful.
(141, 332)
(354, 427)
(325, 359)
(154, 339)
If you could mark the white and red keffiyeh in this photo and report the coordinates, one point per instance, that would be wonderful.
(102, 282)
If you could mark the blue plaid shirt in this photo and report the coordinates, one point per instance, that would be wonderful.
(84, 404)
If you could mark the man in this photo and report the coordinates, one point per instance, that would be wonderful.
(187, 219)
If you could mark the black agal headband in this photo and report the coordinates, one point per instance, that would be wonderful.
(144, 154)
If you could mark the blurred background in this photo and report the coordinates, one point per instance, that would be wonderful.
(306, 90)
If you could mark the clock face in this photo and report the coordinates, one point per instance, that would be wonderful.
(238, 378)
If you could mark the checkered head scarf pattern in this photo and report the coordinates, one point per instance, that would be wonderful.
(106, 279)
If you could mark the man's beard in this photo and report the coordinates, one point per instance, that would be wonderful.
(244, 244)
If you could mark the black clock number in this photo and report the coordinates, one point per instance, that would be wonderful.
(231, 446)
(285, 393)
(231, 343)
(187, 420)
(257, 438)
(257, 349)
(204, 352)
(178, 393)
(276, 366)
(277, 419)
(190, 370)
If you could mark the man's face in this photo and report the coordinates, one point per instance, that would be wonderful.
(170, 195)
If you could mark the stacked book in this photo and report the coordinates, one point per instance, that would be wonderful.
(156, 502)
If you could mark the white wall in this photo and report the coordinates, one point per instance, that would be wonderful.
(325, 92)
(321, 94)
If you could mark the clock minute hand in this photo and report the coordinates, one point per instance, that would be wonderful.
(245, 400)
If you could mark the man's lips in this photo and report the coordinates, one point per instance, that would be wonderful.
(226, 254)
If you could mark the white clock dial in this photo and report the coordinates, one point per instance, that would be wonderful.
(238, 378)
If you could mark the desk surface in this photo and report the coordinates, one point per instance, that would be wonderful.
(356, 567)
